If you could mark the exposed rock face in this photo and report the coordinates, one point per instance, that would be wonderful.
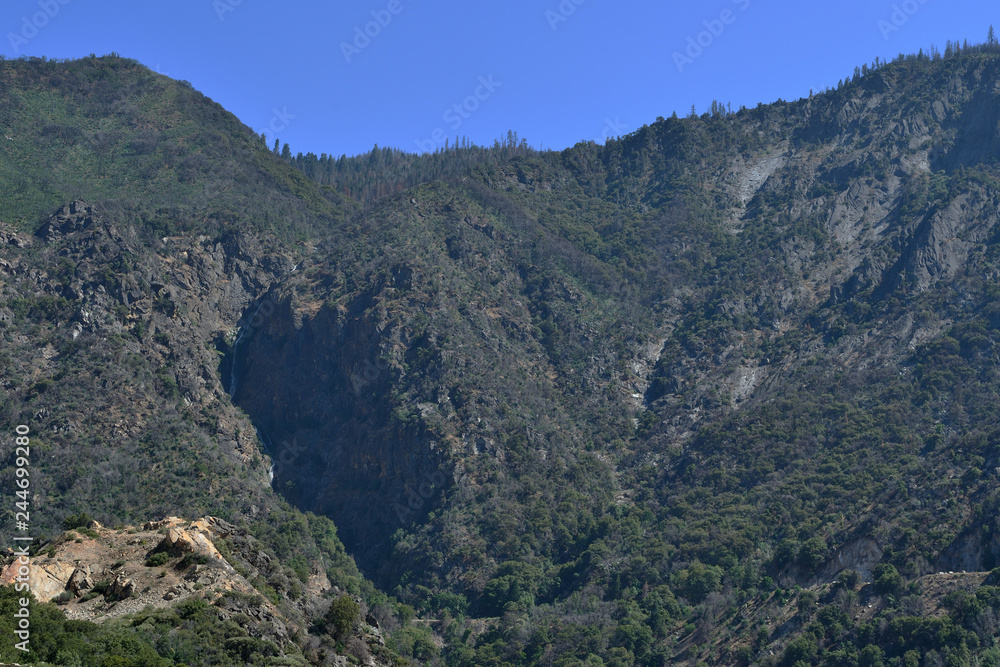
(970, 553)
(46, 580)
(861, 555)
(195, 541)
(81, 581)
(121, 587)
(314, 382)
(116, 558)
(74, 217)
(10, 236)
(171, 306)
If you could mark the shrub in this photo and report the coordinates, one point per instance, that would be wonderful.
(192, 559)
(74, 521)
(812, 553)
(886, 579)
(246, 648)
(698, 580)
(342, 615)
(803, 649)
(158, 559)
(191, 607)
(849, 579)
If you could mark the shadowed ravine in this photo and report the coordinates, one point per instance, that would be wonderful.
(314, 388)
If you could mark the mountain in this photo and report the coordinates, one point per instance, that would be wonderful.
(722, 391)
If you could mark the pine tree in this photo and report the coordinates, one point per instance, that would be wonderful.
(991, 38)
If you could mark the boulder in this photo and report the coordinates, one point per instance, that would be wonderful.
(156, 525)
(179, 540)
(121, 587)
(80, 581)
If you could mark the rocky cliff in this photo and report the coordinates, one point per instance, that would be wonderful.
(610, 398)
(102, 575)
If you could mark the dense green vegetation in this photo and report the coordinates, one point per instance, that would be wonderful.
(192, 632)
(756, 500)
(636, 404)
(155, 151)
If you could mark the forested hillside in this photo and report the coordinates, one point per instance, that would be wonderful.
(722, 391)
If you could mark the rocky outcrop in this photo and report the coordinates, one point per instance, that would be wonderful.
(861, 555)
(121, 587)
(970, 552)
(313, 380)
(74, 217)
(104, 575)
(81, 581)
(167, 305)
(47, 580)
(195, 540)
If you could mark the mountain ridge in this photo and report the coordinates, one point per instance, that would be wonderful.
(580, 407)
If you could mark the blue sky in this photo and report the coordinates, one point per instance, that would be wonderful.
(339, 77)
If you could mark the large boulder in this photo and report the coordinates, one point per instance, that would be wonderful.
(80, 581)
(121, 588)
(46, 581)
(181, 541)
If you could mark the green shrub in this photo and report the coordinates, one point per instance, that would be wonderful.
(74, 521)
(191, 607)
(158, 559)
(342, 615)
(886, 579)
(192, 559)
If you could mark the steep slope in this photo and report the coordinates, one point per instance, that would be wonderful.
(155, 151)
(608, 405)
(794, 302)
(165, 592)
(112, 331)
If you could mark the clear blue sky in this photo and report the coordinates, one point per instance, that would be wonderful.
(556, 71)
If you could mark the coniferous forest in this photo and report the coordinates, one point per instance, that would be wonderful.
(723, 391)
